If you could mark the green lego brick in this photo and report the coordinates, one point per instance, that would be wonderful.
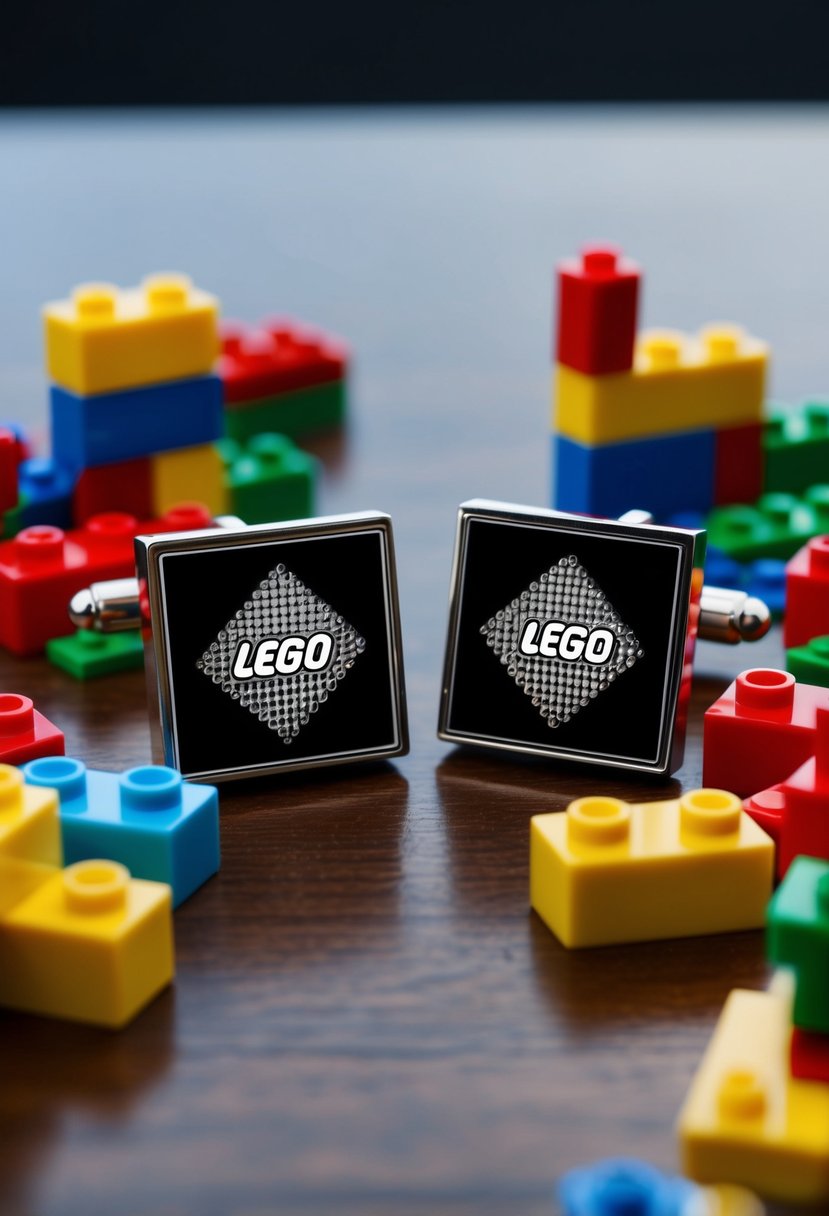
(810, 663)
(293, 414)
(777, 526)
(87, 655)
(796, 448)
(269, 479)
(798, 937)
(13, 518)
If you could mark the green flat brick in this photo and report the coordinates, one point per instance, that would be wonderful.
(269, 479)
(798, 937)
(796, 448)
(87, 655)
(810, 663)
(293, 414)
(777, 526)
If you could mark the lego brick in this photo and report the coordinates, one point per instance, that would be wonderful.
(738, 464)
(745, 1119)
(86, 655)
(605, 871)
(123, 486)
(796, 448)
(720, 569)
(189, 475)
(26, 734)
(809, 1056)
(46, 490)
(621, 1185)
(597, 298)
(800, 804)
(90, 920)
(807, 593)
(92, 431)
(759, 731)
(677, 384)
(766, 579)
(22, 441)
(8, 469)
(810, 663)
(777, 526)
(148, 819)
(106, 338)
(277, 356)
(13, 518)
(798, 938)
(29, 822)
(270, 479)
(663, 475)
(294, 414)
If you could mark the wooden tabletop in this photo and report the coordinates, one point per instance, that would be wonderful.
(367, 1019)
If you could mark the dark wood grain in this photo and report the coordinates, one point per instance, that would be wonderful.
(367, 1019)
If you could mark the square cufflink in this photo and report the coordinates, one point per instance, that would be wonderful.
(275, 647)
(571, 637)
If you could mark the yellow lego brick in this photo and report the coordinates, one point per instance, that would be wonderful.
(605, 871)
(105, 338)
(678, 383)
(90, 944)
(746, 1120)
(189, 475)
(29, 821)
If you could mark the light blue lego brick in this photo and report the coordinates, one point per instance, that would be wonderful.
(622, 1186)
(149, 819)
(108, 427)
(665, 474)
(45, 488)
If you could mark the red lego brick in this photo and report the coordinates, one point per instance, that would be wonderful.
(275, 357)
(760, 730)
(124, 486)
(807, 594)
(43, 567)
(738, 464)
(9, 460)
(809, 1055)
(597, 302)
(24, 733)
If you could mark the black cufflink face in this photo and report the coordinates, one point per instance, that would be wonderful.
(274, 647)
(570, 637)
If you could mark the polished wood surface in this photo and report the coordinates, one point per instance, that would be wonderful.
(367, 1019)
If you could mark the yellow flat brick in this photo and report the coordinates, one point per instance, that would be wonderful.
(678, 383)
(90, 944)
(606, 871)
(745, 1119)
(105, 338)
(189, 475)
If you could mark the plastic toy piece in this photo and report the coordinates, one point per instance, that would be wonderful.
(810, 662)
(270, 479)
(93, 921)
(669, 472)
(623, 1187)
(277, 356)
(46, 491)
(597, 305)
(297, 414)
(760, 730)
(86, 655)
(26, 734)
(189, 474)
(8, 469)
(738, 464)
(798, 938)
(92, 431)
(809, 1056)
(796, 448)
(29, 823)
(123, 486)
(807, 593)
(766, 579)
(745, 1119)
(605, 871)
(677, 384)
(776, 527)
(723, 1200)
(105, 338)
(148, 819)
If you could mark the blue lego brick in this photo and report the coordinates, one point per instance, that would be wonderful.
(45, 488)
(620, 1186)
(720, 569)
(107, 427)
(664, 475)
(766, 578)
(149, 819)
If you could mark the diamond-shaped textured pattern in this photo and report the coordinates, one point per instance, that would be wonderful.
(560, 689)
(280, 606)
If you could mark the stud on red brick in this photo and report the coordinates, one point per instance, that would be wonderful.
(597, 304)
(24, 733)
(807, 594)
(278, 356)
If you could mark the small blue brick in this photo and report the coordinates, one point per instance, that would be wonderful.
(663, 475)
(45, 489)
(766, 578)
(157, 825)
(107, 427)
(622, 1187)
(721, 570)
